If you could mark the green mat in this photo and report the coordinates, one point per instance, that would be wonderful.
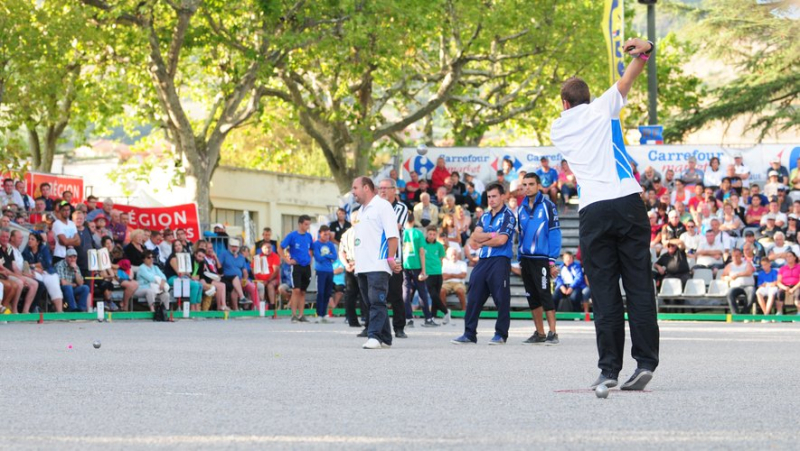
(178, 315)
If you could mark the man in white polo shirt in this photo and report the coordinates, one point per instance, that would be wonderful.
(375, 249)
(614, 231)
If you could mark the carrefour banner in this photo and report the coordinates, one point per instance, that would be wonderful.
(484, 162)
(613, 24)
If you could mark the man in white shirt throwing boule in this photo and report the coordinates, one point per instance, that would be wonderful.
(614, 231)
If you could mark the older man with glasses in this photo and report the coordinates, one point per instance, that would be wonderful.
(75, 291)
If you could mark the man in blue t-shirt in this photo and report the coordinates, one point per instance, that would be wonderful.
(549, 178)
(324, 256)
(297, 246)
(494, 236)
(767, 280)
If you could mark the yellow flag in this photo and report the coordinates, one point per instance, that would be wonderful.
(613, 24)
(614, 30)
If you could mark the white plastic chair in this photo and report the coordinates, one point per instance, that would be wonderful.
(695, 288)
(717, 289)
(670, 288)
(706, 274)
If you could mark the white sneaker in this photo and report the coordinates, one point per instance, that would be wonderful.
(372, 344)
(446, 318)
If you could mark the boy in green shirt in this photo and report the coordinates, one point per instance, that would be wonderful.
(414, 270)
(434, 253)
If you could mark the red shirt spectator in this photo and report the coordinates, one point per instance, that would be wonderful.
(412, 189)
(440, 174)
(755, 212)
(274, 263)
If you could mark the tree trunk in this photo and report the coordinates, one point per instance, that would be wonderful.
(35, 146)
(343, 174)
(51, 141)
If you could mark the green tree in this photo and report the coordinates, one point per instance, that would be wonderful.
(201, 64)
(54, 74)
(677, 91)
(761, 43)
(395, 63)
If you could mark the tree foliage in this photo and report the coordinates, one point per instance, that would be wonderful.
(762, 45)
(54, 73)
(200, 66)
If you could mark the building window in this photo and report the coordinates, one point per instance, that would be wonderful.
(233, 217)
(288, 223)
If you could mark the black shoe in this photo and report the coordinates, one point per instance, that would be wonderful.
(609, 382)
(638, 380)
(363, 334)
(552, 339)
(535, 339)
(410, 323)
(430, 323)
(400, 334)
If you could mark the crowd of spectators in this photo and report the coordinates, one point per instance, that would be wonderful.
(716, 219)
(50, 269)
(722, 221)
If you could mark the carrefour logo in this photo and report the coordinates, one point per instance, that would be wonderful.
(497, 164)
(419, 164)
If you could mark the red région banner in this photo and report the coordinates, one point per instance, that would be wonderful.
(58, 184)
(159, 218)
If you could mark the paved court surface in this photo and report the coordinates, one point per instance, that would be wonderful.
(261, 383)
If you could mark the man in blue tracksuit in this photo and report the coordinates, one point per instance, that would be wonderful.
(570, 282)
(494, 235)
(539, 247)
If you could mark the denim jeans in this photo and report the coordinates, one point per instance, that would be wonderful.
(374, 287)
(79, 293)
(324, 290)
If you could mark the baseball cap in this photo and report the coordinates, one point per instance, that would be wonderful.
(234, 242)
(773, 173)
(656, 179)
(749, 233)
(775, 160)
(737, 155)
(72, 252)
(672, 214)
(514, 185)
(218, 226)
(769, 216)
(692, 159)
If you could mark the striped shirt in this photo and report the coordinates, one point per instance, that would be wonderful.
(401, 212)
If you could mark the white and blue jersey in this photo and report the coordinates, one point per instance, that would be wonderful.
(504, 223)
(539, 229)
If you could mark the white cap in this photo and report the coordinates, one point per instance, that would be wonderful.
(233, 242)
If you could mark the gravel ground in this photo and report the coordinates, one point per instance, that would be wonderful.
(258, 383)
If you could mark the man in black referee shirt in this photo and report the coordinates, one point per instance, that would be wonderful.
(387, 189)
